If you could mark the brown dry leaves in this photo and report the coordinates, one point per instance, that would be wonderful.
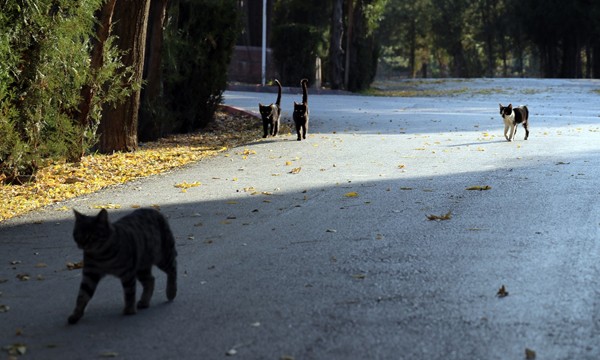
(61, 181)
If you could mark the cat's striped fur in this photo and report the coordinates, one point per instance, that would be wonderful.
(127, 249)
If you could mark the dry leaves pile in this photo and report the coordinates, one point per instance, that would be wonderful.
(61, 181)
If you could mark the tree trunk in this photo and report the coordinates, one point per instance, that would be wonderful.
(336, 52)
(349, 28)
(149, 125)
(104, 17)
(118, 128)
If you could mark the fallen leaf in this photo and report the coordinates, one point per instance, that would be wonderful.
(109, 354)
(502, 292)
(231, 352)
(23, 277)
(41, 265)
(295, 170)
(107, 206)
(446, 216)
(351, 194)
(75, 266)
(4, 308)
(359, 276)
(331, 230)
(16, 349)
(529, 354)
(185, 185)
(401, 166)
(480, 188)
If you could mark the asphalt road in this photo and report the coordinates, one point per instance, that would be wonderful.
(322, 249)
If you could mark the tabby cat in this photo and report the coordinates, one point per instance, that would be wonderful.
(301, 113)
(270, 115)
(127, 249)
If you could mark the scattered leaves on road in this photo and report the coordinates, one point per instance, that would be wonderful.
(446, 216)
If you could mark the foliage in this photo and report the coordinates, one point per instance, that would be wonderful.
(44, 50)
(199, 40)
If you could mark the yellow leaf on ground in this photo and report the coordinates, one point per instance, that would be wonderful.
(480, 188)
(351, 194)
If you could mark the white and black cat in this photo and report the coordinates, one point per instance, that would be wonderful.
(127, 249)
(270, 115)
(512, 117)
(300, 115)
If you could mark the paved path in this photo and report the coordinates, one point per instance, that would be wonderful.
(336, 259)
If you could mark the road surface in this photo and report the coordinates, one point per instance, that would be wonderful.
(322, 249)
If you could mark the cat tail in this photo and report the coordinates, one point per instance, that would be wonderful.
(304, 91)
(278, 101)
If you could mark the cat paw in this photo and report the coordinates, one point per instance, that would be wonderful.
(143, 304)
(73, 319)
(129, 311)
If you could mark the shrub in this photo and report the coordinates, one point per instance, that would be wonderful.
(44, 52)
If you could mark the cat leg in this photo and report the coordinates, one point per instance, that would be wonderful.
(275, 128)
(89, 282)
(304, 130)
(265, 129)
(171, 271)
(129, 283)
(526, 127)
(145, 277)
(298, 128)
(506, 131)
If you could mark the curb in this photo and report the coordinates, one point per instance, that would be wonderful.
(237, 111)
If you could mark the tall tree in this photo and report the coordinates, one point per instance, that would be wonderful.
(118, 128)
(150, 121)
(104, 16)
(336, 51)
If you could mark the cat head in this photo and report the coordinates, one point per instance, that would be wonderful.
(300, 109)
(506, 110)
(265, 110)
(91, 232)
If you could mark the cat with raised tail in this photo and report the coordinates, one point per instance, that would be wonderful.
(127, 249)
(301, 112)
(271, 114)
(512, 117)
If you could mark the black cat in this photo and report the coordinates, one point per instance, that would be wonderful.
(301, 113)
(270, 115)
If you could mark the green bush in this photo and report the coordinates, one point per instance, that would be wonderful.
(44, 57)
(199, 40)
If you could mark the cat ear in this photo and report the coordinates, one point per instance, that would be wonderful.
(102, 216)
(501, 106)
(509, 106)
(78, 215)
(260, 104)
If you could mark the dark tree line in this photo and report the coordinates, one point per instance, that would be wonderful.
(464, 38)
